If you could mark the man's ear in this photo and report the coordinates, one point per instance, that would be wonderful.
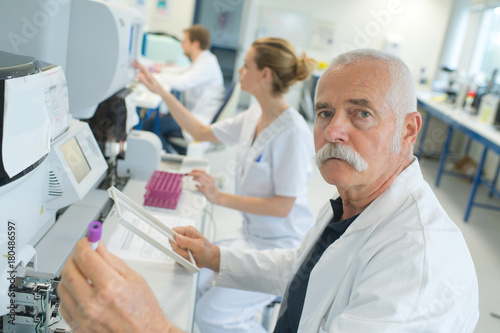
(196, 43)
(411, 127)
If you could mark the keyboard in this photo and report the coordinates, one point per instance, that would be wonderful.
(163, 190)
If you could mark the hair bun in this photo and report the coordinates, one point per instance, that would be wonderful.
(305, 67)
(281, 57)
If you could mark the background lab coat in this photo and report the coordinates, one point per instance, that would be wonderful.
(202, 83)
(402, 266)
(277, 163)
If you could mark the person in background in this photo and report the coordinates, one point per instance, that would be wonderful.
(383, 256)
(274, 154)
(201, 82)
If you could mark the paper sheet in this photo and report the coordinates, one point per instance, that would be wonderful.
(132, 116)
(26, 129)
(126, 245)
(56, 100)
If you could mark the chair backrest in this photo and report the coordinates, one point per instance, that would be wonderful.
(230, 103)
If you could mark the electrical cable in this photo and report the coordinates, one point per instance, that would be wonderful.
(209, 212)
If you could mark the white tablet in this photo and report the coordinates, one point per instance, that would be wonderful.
(122, 203)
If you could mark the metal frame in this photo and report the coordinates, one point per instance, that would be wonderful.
(473, 135)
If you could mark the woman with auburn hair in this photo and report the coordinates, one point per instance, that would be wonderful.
(275, 148)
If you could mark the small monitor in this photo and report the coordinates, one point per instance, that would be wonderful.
(76, 165)
(76, 160)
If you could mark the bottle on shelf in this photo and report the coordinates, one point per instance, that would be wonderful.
(469, 99)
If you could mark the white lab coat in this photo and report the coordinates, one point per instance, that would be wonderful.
(202, 83)
(277, 163)
(402, 266)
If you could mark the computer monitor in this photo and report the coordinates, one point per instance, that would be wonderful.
(162, 49)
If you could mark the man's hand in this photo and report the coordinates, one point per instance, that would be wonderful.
(100, 293)
(207, 186)
(205, 253)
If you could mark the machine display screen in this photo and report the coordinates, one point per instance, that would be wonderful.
(76, 160)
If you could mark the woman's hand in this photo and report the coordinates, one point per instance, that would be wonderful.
(207, 186)
(147, 79)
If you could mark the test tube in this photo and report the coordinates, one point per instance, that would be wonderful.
(94, 234)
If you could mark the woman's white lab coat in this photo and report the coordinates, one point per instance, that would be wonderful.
(278, 162)
(402, 266)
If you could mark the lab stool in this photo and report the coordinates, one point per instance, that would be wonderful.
(270, 312)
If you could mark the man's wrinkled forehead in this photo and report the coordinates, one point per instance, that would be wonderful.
(368, 83)
(362, 70)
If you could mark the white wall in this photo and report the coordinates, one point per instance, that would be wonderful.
(419, 24)
(180, 16)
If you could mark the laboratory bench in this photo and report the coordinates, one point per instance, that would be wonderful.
(174, 287)
(458, 119)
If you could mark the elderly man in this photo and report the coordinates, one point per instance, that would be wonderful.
(383, 256)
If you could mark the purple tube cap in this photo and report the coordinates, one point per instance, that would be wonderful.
(94, 231)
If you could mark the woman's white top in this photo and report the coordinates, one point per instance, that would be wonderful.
(278, 162)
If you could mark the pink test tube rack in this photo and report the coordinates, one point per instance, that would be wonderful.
(163, 190)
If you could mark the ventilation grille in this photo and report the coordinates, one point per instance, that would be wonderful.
(55, 188)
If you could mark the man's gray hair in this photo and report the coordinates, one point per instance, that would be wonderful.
(401, 96)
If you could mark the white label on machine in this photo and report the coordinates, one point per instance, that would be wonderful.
(56, 100)
(26, 127)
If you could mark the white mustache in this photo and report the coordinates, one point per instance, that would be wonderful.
(342, 152)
